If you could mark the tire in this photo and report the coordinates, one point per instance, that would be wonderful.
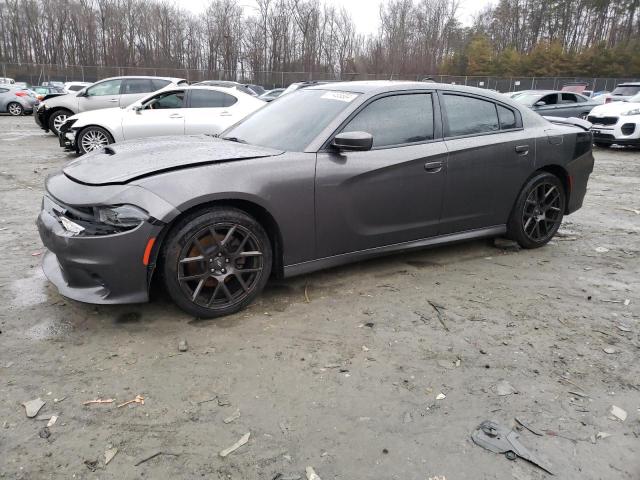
(56, 119)
(15, 109)
(538, 211)
(92, 138)
(602, 145)
(201, 271)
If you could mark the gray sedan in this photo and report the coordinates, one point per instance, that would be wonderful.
(324, 176)
(556, 103)
(15, 100)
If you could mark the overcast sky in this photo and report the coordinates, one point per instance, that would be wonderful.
(363, 12)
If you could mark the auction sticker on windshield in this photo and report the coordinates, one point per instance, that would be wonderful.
(342, 96)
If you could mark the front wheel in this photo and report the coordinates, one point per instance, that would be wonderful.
(15, 109)
(538, 211)
(216, 262)
(56, 120)
(92, 138)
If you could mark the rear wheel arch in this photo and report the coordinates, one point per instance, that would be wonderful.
(563, 176)
(53, 112)
(258, 212)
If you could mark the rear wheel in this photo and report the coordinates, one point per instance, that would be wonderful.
(538, 211)
(15, 109)
(92, 138)
(216, 262)
(56, 120)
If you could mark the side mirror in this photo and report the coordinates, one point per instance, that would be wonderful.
(137, 109)
(539, 104)
(356, 141)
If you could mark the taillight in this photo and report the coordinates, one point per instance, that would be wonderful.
(21, 94)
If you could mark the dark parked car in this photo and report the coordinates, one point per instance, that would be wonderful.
(557, 104)
(324, 176)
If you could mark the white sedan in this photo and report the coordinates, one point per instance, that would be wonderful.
(172, 111)
(616, 122)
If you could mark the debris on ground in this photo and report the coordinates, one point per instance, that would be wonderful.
(154, 455)
(441, 396)
(601, 249)
(504, 388)
(528, 427)
(311, 474)
(44, 432)
(32, 407)
(109, 454)
(437, 308)
(602, 435)
(91, 464)
(223, 401)
(99, 400)
(52, 420)
(233, 417)
(58, 400)
(609, 350)
(244, 439)
(407, 418)
(506, 244)
(618, 413)
(183, 346)
(498, 439)
(139, 399)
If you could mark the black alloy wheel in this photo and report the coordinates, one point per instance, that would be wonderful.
(538, 212)
(217, 263)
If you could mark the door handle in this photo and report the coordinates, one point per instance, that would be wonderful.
(175, 115)
(522, 149)
(225, 114)
(433, 167)
(113, 100)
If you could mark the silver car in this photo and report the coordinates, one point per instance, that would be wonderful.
(16, 101)
(107, 93)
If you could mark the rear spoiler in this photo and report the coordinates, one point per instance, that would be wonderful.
(573, 121)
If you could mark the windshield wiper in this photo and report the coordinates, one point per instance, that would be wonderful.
(234, 139)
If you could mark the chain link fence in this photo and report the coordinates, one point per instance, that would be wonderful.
(36, 74)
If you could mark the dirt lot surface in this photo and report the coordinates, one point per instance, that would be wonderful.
(347, 382)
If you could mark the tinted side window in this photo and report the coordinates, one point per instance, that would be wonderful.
(110, 87)
(569, 98)
(211, 99)
(158, 84)
(550, 99)
(396, 120)
(467, 115)
(166, 100)
(137, 85)
(75, 88)
(507, 118)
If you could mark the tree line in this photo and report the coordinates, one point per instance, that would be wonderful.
(510, 37)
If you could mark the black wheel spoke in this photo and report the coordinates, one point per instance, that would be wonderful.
(199, 258)
(240, 280)
(196, 292)
(228, 236)
(249, 254)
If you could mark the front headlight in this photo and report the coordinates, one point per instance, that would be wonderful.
(635, 111)
(123, 217)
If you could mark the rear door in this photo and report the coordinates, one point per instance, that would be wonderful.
(210, 111)
(134, 89)
(392, 193)
(163, 114)
(104, 94)
(490, 156)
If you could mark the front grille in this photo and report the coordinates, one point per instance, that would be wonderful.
(628, 128)
(602, 120)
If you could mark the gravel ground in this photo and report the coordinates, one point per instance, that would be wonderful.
(347, 381)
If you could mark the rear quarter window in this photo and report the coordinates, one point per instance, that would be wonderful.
(470, 115)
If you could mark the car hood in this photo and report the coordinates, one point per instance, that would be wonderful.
(123, 162)
(97, 116)
(614, 108)
(61, 100)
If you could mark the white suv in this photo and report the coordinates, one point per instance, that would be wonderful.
(110, 92)
(616, 122)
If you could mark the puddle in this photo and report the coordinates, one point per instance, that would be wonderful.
(49, 328)
(29, 291)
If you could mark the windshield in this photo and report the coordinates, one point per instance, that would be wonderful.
(626, 90)
(527, 98)
(292, 122)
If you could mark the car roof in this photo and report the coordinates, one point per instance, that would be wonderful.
(374, 87)
(124, 77)
(629, 84)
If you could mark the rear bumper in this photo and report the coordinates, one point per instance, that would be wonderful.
(96, 269)
(579, 170)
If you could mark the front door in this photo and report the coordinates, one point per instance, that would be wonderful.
(100, 95)
(390, 194)
(163, 114)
